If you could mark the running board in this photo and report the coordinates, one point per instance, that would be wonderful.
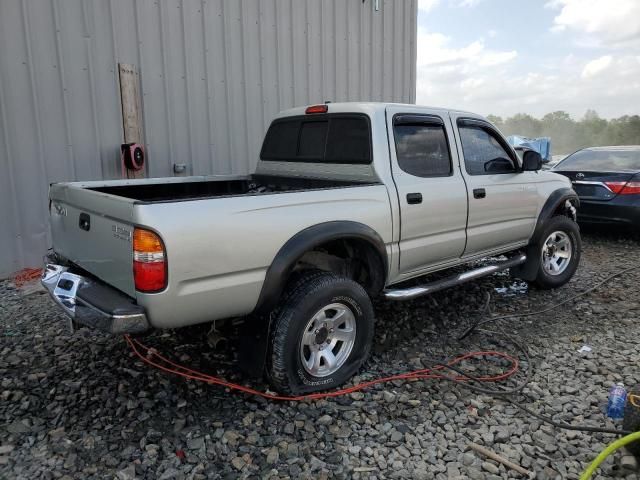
(420, 290)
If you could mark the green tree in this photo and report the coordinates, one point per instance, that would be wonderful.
(496, 120)
(523, 124)
(568, 135)
(591, 129)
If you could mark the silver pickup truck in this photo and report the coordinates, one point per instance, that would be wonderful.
(348, 201)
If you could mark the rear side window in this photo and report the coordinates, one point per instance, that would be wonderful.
(483, 153)
(602, 160)
(422, 150)
(330, 138)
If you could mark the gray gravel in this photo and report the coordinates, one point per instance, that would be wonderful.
(80, 406)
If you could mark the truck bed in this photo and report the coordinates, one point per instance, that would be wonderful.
(199, 189)
(92, 222)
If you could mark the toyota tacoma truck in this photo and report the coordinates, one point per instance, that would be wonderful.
(348, 201)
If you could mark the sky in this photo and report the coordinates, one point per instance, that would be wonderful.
(504, 57)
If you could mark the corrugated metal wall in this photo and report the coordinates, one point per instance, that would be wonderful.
(212, 73)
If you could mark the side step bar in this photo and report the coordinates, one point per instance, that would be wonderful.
(420, 290)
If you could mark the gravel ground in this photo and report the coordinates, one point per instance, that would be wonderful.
(81, 406)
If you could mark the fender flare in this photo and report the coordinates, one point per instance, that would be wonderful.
(305, 240)
(555, 200)
(529, 269)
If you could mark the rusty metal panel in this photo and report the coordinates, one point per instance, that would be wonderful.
(212, 74)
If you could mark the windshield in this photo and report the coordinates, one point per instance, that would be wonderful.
(602, 160)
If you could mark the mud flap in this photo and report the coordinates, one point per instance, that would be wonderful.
(253, 343)
(528, 271)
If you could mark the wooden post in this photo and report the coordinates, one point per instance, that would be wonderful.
(131, 118)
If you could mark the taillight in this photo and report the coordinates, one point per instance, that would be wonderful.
(317, 109)
(149, 263)
(624, 188)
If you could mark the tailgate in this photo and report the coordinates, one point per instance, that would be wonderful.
(94, 230)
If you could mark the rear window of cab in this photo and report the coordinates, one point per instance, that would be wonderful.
(321, 138)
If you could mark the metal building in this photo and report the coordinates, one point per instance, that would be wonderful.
(210, 74)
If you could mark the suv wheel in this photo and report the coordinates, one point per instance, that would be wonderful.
(321, 334)
(557, 252)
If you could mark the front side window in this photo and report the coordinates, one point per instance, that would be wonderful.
(483, 153)
(422, 149)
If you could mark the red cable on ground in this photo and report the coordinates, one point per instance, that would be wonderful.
(26, 275)
(427, 373)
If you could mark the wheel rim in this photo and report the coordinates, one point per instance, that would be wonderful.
(556, 253)
(327, 340)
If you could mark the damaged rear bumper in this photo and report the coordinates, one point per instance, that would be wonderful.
(91, 303)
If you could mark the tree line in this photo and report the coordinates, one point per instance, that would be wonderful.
(568, 135)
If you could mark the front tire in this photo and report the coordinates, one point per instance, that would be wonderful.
(557, 253)
(321, 334)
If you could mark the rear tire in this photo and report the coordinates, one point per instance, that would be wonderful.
(557, 253)
(321, 334)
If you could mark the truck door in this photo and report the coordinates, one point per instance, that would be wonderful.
(431, 190)
(503, 201)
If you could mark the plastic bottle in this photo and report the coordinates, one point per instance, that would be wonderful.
(617, 399)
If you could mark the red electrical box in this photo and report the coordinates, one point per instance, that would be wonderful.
(132, 155)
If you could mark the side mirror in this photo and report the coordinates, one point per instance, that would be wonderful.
(531, 161)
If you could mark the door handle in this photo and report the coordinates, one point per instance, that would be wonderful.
(414, 198)
(479, 193)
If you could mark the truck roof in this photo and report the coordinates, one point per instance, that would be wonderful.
(371, 107)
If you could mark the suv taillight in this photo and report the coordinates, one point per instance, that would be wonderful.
(149, 263)
(624, 188)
